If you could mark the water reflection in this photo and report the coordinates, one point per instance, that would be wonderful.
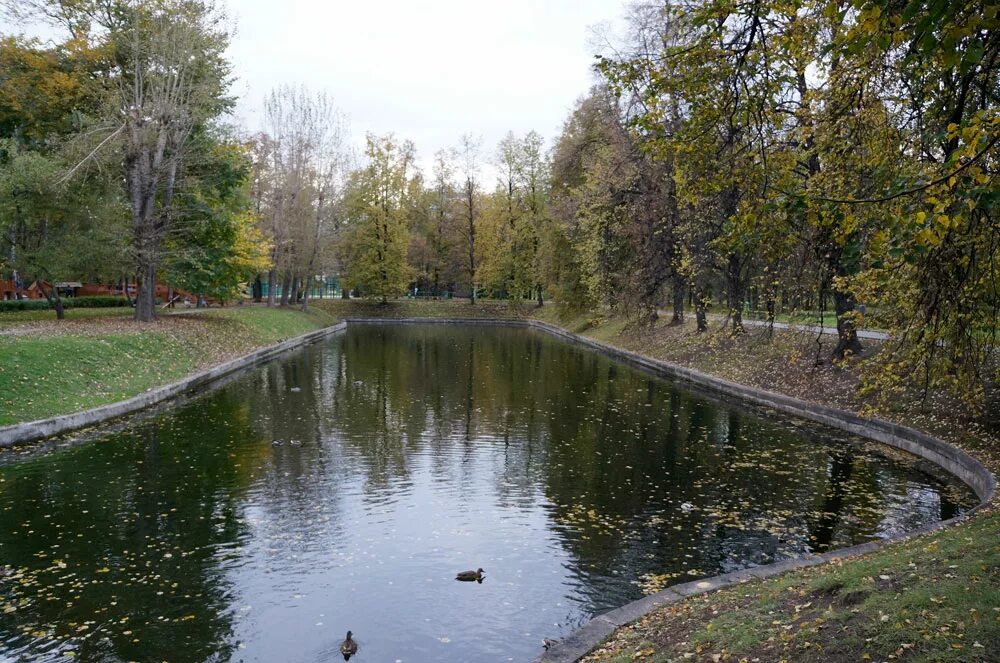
(344, 487)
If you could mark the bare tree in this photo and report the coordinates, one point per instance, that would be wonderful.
(469, 157)
(305, 163)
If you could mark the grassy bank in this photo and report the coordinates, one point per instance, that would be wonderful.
(52, 369)
(934, 598)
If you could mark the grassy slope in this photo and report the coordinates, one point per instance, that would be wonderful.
(935, 598)
(82, 364)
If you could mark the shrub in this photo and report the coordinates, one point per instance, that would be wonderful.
(24, 305)
(98, 301)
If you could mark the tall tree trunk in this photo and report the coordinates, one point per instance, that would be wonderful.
(847, 335)
(345, 292)
(470, 194)
(55, 302)
(272, 286)
(734, 292)
(679, 285)
(293, 297)
(700, 314)
(145, 296)
(540, 301)
(286, 284)
(848, 342)
(258, 289)
(147, 224)
(305, 299)
(770, 312)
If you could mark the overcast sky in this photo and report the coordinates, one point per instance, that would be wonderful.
(426, 70)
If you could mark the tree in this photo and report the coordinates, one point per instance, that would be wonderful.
(217, 246)
(376, 201)
(56, 230)
(175, 78)
(48, 92)
(470, 206)
(300, 162)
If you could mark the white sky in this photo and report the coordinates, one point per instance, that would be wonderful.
(428, 71)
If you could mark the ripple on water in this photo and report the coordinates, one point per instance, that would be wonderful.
(258, 523)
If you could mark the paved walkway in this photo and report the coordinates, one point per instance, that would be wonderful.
(816, 329)
(864, 334)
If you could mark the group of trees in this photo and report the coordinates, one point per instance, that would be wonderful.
(773, 155)
(299, 165)
(115, 162)
(781, 155)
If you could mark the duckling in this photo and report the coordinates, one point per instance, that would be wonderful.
(467, 576)
(549, 643)
(348, 647)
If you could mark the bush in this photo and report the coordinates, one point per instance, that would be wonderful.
(97, 301)
(23, 305)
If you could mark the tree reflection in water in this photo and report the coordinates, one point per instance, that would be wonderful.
(342, 487)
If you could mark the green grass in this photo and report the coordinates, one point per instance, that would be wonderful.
(273, 324)
(934, 598)
(43, 375)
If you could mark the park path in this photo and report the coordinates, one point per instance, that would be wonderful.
(864, 334)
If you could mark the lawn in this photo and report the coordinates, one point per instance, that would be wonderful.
(933, 598)
(72, 366)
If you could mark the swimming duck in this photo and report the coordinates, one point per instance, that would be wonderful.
(476, 575)
(348, 647)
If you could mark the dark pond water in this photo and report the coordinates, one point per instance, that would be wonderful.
(343, 487)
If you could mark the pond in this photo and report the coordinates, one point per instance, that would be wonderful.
(343, 486)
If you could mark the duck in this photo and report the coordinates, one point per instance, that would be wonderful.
(349, 647)
(476, 575)
(548, 643)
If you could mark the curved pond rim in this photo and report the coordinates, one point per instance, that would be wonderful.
(37, 431)
(948, 457)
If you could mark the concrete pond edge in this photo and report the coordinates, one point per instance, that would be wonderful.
(951, 459)
(32, 431)
(584, 639)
